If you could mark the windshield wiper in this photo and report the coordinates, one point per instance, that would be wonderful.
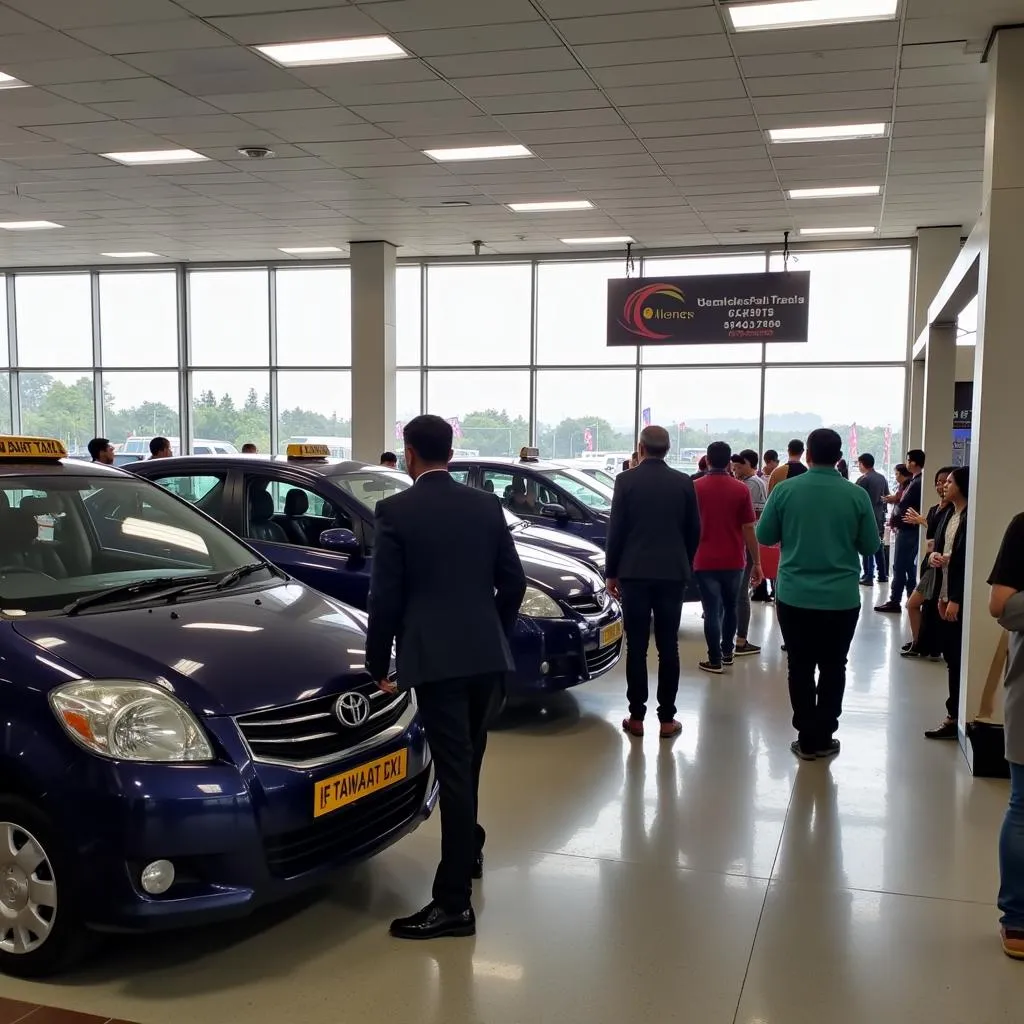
(241, 572)
(171, 585)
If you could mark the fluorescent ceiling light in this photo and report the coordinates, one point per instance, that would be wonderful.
(552, 207)
(157, 156)
(129, 255)
(29, 225)
(309, 250)
(332, 51)
(835, 193)
(479, 153)
(10, 82)
(758, 17)
(829, 133)
(837, 231)
(606, 240)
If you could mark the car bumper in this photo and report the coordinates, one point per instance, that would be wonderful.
(555, 654)
(239, 837)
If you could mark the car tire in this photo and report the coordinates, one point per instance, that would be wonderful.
(36, 888)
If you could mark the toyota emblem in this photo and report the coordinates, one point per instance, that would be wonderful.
(352, 709)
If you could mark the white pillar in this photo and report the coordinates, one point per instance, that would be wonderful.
(938, 405)
(937, 250)
(373, 349)
(997, 491)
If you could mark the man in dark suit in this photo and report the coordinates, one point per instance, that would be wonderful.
(446, 587)
(652, 540)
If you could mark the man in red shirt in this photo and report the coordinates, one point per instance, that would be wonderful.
(726, 535)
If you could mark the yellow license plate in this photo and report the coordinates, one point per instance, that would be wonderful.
(611, 633)
(340, 790)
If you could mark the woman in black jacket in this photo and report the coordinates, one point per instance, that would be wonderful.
(949, 558)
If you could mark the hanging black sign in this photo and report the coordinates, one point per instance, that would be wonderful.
(709, 310)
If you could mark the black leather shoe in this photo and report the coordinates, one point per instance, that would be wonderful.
(433, 922)
(478, 866)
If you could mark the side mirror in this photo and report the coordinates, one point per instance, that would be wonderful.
(554, 512)
(340, 540)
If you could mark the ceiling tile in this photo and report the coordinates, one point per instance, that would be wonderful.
(694, 21)
(395, 92)
(666, 73)
(581, 99)
(379, 113)
(151, 37)
(653, 51)
(587, 8)
(685, 93)
(479, 39)
(875, 58)
(65, 14)
(532, 82)
(415, 15)
(297, 26)
(674, 112)
(506, 62)
(284, 99)
(809, 105)
(811, 40)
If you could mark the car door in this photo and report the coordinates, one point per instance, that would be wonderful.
(342, 576)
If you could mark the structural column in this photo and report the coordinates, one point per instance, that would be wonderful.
(937, 249)
(938, 400)
(373, 349)
(997, 491)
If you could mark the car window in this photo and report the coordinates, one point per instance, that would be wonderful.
(460, 476)
(584, 489)
(107, 531)
(295, 514)
(371, 486)
(202, 489)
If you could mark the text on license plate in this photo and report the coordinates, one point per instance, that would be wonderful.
(347, 787)
(611, 633)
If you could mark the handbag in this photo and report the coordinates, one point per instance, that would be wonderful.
(988, 745)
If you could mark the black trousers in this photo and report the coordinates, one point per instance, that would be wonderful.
(642, 599)
(818, 643)
(455, 713)
(951, 635)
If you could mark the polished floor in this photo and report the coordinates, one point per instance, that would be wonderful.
(712, 880)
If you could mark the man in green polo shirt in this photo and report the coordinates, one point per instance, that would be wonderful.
(825, 525)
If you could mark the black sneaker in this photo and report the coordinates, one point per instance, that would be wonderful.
(804, 755)
(883, 579)
(829, 750)
(714, 667)
(727, 660)
(745, 649)
(783, 647)
(946, 731)
(889, 606)
(865, 582)
(910, 651)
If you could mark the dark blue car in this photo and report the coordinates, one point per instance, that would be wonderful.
(313, 517)
(188, 733)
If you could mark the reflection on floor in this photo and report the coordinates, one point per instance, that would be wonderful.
(710, 880)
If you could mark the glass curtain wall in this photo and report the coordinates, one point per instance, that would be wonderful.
(512, 353)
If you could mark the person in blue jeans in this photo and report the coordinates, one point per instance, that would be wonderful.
(907, 536)
(1006, 603)
(726, 537)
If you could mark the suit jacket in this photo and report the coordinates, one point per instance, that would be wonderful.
(446, 584)
(655, 526)
(956, 571)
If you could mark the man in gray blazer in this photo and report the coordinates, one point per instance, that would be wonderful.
(652, 539)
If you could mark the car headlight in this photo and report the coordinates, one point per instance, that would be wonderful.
(129, 721)
(537, 605)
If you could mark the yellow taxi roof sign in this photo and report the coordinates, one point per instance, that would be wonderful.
(31, 449)
(307, 451)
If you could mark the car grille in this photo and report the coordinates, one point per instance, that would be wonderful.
(588, 604)
(348, 832)
(600, 660)
(310, 733)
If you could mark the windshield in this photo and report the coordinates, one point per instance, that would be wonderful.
(63, 537)
(585, 489)
(371, 486)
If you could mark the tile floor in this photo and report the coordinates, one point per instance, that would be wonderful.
(712, 880)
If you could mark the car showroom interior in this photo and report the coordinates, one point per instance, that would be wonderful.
(440, 443)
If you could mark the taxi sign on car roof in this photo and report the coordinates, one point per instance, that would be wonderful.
(31, 449)
(529, 455)
(307, 451)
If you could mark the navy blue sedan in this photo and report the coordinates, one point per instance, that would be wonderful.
(313, 517)
(188, 733)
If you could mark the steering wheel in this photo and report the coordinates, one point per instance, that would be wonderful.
(7, 569)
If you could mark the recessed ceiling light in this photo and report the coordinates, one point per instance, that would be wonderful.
(829, 133)
(552, 207)
(157, 156)
(837, 231)
(29, 225)
(757, 17)
(479, 153)
(835, 193)
(10, 82)
(129, 255)
(332, 51)
(606, 240)
(309, 250)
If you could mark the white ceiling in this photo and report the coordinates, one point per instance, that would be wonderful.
(648, 108)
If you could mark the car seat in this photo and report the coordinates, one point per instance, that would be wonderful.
(261, 519)
(43, 556)
(296, 525)
(20, 549)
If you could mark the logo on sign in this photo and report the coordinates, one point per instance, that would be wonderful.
(352, 709)
(638, 311)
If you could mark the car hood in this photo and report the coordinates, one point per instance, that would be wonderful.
(564, 543)
(223, 655)
(556, 574)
